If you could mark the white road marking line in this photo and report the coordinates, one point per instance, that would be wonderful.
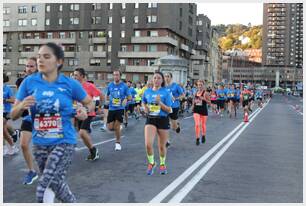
(98, 143)
(296, 110)
(188, 117)
(182, 193)
(164, 193)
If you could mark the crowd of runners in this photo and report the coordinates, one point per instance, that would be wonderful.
(56, 109)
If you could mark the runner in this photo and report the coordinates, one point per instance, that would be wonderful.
(84, 125)
(259, 95)
(220, 99)
(49, 96)
(237, 100)
(8, 99)
(213, 99)
(245, 98)
(177, 93)
(138, 97)
(26, 128)
(200, 112)
(157, 103)
(130, 105)
(118, 94)
(105, 109)
(231, 100)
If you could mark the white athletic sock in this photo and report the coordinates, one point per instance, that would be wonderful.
(48, 196)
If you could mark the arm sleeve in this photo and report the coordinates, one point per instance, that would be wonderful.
(78, 93)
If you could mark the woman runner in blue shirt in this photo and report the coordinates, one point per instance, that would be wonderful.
(157, 103)
(49, 95)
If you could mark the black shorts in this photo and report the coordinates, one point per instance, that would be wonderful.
(174, 114)
(106, 106)
(137, 103)
(6, 115)
(26, 126)
(214, 101)
(220, 103)
(85, 124)
(252, 99)
(115, 115)
(245, 103)
(259, 98)
(159, 122)
(130, 108)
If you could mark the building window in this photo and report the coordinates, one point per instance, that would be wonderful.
(122, 34)
(96, 20)
(152, 5)
(96, 6)
(199, 22)
(74, 7)
(200, 43)
(22, 9)
(136, 48)
(110, 19)
(137, 33)
(110, 34)
(181, 25)
(49, 35)
(136, 5)
(74, 21)
(190, 31)
(34, 9)
(60, 21)
(150, 62)
(22, 61)
(34, 22)
(136, 62)
(94, 62)
(151, 19)
(190, 20)
(6, 62)
(6, 10)
(135, 19)
(123, 20)
(60, 7)
(22, 22)
(123, 48)
(47, 22)
(123, 6)
(122, 62)
(48, 8)
(152, 33)
(152, 48)
(181, 12)
(73, 62)
(109, 48)
(6, 23)
(110, 6)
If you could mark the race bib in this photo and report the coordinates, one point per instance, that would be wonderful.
(245, 97)
(154, 110)
(51, 125)
(198, 102)
(232, 95)
(116, 102)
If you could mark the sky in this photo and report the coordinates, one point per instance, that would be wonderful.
(232, 13)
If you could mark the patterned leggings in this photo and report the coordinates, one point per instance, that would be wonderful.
(53, 162)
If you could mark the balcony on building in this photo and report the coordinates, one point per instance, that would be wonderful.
(142, 54)
(184, 47)
(97, 40)
(140, 69)
(44, 41)
(28, 54)
(149, 39)
(99, 54)
(69, 54)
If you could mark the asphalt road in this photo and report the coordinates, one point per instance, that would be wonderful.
(261, 161)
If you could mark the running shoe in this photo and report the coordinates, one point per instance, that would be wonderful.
(197, 141)
(125, 124)
(117, 147)
(168, 144)
(163, 169)
(12, 150)
(103, 128)
(30, 178)
(93, 155)
(203, 140)
(150, 169)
